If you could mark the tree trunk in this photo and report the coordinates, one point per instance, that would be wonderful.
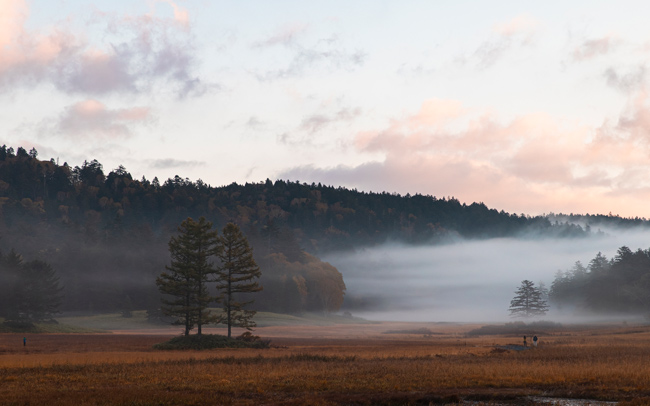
(229, 301)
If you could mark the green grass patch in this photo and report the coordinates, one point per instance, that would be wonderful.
(208, 342)
(139, 321)
(111, 321)
(266, 319)
(45, 328)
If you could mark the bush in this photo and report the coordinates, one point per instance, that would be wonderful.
(209, 341)
(247, 337)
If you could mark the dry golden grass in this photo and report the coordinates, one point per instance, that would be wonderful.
(351, 365)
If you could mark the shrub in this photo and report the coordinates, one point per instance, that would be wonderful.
(247, 337)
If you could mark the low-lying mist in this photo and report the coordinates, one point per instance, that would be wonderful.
(469, 281)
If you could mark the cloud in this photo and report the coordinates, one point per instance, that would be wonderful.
(169, 163)
(506, 36)
(284, 36)
(418, 70)
(628, 82)
(28, 56)
(520, 25)
(328, 54)
(318, 122)
(633, 126)
(141, 51)
(181, 16)
(593, 48)
(92, 119)
(532, 161)
(254, 123)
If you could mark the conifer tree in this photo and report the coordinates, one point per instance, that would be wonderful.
(528, 301)
(186, 285)
(237, 275)
(10, 265)
(41, 292)
(29, 291)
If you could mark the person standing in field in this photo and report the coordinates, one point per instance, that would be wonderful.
(535, 341)
(525, 341)
(24, 341)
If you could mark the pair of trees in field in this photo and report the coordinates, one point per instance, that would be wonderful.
(186, 285)
(29, 291)
(529, 301)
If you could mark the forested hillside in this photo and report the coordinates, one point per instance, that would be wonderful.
(106, 234)
(619, 285)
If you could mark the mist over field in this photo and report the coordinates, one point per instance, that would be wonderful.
(468, 281)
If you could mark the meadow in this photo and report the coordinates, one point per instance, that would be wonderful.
(335, 364)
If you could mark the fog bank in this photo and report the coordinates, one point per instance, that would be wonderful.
(470, 281)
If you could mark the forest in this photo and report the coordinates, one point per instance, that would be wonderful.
(620, 285)
(106, 234)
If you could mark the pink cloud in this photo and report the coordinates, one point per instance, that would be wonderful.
(181, 16)
(283, 36)
(521, 24)
(532, 163)
(13, 14)
(627, 82)
(27, 54)
(149, 50)
(592, 48)
(92, 119)
(506, 36)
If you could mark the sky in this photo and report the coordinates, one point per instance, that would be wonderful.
(527, 106)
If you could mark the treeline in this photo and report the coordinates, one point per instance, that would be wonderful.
(596, 221)
(322, 218)
(618, 285)
(106, 234)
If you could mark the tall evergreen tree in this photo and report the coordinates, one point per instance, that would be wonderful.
(186, 284)
(30, 291)
(528, 301)
(237, 275)
(10, 265)
(41, 292)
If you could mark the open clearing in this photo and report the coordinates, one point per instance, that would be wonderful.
(340, 364)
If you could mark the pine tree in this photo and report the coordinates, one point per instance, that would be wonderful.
(41, 292)
(186, 284)
(29, 291)
(528, 301)
(10, 265)
(236, 276)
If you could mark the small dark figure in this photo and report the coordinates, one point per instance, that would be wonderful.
(24, 341)
(535, 341)
(525, 345)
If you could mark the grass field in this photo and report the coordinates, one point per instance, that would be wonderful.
(336, 364)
